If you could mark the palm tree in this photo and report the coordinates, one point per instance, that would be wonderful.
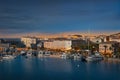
(105, 46)
(115, 48)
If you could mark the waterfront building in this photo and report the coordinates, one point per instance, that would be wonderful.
(100, 38)
(112, 38)
(16, 43)
(115, 39)
(65, 44)
(97, 40)
(2, 40)
(3, 46)
(58, 44)
(107, 48)
(29, 41)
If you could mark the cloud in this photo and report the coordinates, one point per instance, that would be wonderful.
(58, 15)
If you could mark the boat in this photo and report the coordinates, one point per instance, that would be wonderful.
(40, 54)
(29, 53)
(23, 53)
(77, 56)
(47, 53)
(96, 57)
(91, 58)
(35, 53)
(8, 57)
(83, 59)
(64, 56)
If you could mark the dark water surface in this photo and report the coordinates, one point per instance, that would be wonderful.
(57, 69)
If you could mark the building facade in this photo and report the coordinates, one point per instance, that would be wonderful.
(28, 41)
(106, 48)
(3, 46)
(63, 44)
(115, 39)
(58, 44)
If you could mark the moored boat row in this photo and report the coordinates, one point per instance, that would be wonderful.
(63, 55)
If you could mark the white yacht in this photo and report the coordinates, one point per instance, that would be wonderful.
(40, 54)
(23, 53)
(96, 57)
(8, 57)
(47, 53)
(77, 56)
(64, 56)
(29, 53)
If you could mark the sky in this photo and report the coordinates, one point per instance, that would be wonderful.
(57, 16)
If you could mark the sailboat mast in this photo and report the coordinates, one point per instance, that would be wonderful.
(88, 39)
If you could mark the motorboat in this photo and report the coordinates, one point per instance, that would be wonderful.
(47, 53)
(40, 54)
(35, 53)
(77, 56)
(64, 56)
(29, 53)
(95, 57)
(8, 57)
(90, 58)
(23, 53)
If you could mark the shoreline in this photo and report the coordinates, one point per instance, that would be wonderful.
(55, 56)
(112, 59)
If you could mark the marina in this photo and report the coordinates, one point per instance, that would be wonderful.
(51, 54)
(59, 39)
(47, 68)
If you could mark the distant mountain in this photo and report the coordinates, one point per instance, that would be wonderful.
(62, 34)
(77, 35)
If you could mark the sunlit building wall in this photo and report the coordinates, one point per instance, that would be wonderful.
(106, 47)
(58, 44)
(28, 41)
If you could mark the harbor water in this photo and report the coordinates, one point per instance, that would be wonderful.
(33, 68)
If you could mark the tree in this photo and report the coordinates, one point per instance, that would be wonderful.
(115, 48)
(105, 46)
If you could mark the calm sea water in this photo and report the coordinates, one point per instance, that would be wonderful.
(57, 69)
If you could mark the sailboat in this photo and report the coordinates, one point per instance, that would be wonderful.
(40, 54)
(95, 57)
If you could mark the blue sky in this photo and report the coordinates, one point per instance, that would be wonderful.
(56, 16)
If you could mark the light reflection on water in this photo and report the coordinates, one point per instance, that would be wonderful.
(57, 69)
